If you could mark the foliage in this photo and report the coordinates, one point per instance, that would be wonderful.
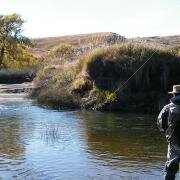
(101, 96)
(63, 51)
(95, 81)
(55, 76)
(63, 77)
(110, 67)
(21, 60)
(12, 42)
(175, 50)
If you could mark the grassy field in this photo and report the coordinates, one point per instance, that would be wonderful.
(44, 45)
(77, 40)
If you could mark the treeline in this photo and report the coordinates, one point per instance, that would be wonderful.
(14, 47)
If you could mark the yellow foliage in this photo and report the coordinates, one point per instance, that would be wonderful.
(65, 51)
(22, 59)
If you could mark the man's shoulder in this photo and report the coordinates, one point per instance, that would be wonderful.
(172, 105)
(168, 106)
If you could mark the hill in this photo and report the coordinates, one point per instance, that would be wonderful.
(158, 41)
(43, 45)
(105, 37)
(79, 40)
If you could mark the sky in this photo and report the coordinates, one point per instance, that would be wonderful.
(130, 18)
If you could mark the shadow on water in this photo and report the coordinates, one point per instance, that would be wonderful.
(126, 139)
(14, 129)
(11, 142)
(14, 134)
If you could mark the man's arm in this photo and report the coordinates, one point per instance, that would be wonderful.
(162, 120)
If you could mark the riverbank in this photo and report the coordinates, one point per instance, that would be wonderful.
(96, 79)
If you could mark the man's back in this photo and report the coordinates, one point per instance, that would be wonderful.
(173, 128)
(169, 121)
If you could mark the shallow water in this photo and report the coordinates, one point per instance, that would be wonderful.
(39, 143)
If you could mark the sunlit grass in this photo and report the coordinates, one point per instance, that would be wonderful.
(94, 79)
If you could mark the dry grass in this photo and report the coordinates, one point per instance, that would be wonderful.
(76, 40)
(117, 63)
(92, 82)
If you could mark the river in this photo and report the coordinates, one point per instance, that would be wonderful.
(40, 143)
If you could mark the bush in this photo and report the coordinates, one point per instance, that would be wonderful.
(63, 51)
(97, 80)
(111, 66)
(21, 60)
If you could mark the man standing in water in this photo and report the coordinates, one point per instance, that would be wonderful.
(169, 122)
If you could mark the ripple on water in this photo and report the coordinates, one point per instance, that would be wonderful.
(37, 143)
(15, 168)
(3, 107)
(13, 97)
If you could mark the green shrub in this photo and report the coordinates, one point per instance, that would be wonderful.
(99, 96)
(21, 60)
(63, 51)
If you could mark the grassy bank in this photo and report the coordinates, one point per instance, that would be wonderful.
(95, 80)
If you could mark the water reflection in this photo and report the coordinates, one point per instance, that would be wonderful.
(15, 131)
(11, 143)
(125, 139)
(37, 143)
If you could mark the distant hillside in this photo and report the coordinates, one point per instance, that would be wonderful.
(158, 41)
(93, 40)
(79, 40)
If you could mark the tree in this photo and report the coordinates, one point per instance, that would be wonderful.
(10, 36)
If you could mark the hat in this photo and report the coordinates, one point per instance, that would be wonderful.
(176, 89)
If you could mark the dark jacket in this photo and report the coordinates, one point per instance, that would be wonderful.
(169, 122)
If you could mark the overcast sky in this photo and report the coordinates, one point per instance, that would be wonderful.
(130, 18)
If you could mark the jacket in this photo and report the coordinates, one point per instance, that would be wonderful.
(169, 122)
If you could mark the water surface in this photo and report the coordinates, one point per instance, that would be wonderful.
(40, 143)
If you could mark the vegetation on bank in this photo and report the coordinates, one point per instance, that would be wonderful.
(90, 76)
(65, 51)
(95, 80)
(15, 58)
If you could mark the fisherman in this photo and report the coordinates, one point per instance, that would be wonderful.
(169, 122)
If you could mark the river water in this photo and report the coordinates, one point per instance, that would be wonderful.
(39, 143)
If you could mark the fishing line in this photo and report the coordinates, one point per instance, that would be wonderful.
(124, 84)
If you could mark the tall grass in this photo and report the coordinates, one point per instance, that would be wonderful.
(111, 66)
(94, 80)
